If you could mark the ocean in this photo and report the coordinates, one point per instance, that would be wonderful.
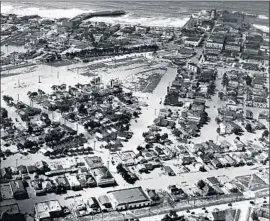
(154, 13)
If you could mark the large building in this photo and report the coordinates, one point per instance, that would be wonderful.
(193, 41)
(73, 182)
(47, 210)
(103, 176)
(10, 213)
(18, 190)
(94, 162)
(129, 198)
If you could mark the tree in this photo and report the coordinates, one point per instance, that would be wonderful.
(201, 184)
(8, 152)
(148, 146)
(204, 118)
(254, 216)
(4, 113)
(220, 95)
(202, 169)
(158, 136)
(248, 128)
(164, 136)
(82, 109)
(30, 129)
(248, 80)
(173, 214)
(140, 148)
(218, 120)
(211, 88)
(7, 99)
(265, 133)
(135, 114)
(120, 168)
(166, 218)
(225, 80)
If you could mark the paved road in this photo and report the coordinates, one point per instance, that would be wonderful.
(244, 206)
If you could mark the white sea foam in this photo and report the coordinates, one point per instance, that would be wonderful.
(262, 27)
(149, 21)
(70, 13)
(43, 12)
(263, 17)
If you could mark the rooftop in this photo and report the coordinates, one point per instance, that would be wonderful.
(10, 209)
(94, 162)
(47, 206)
(17, 186)
(131, 195)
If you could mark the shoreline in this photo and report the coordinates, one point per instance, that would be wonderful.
(134, 79)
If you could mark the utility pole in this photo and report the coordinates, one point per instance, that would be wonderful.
(94, 144)
(18, 97)
(39, 81)
(108, 164)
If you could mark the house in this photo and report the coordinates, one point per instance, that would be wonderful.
(194, 116)
(153, 195)
(259, 102)
(5, 173)
(94, 162)
(103, 176)
(93, 204)
(186, 51)
(193, 67)
(208, 190)
(225, 215)
(206, 25)
(73, 182)
(48, 186)
(63, 182)
(233, 46)
(11, 212)
(216, 163)
(222, 128)
(168, 171)
(193, 41)
(18, 190)
(177, 193)
(127, 158)
(251, 48)
(212, 56)
(187, 160)
(130, 198)
(47, 210)
(229, 115)
(249, 114)
(215, 42)
(104, 203)
(213, 180)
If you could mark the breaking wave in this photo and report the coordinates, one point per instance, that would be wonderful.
(149, 21)
(263, 17)
(43, 12)
(262, 27)
(70, 13)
